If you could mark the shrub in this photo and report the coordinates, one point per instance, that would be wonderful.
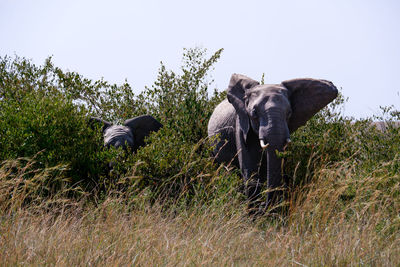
(177, 163)
(182, 101)
(44, 109)
(40, 120)
(330, 137)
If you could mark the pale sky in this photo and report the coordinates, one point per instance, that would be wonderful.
(353, 43)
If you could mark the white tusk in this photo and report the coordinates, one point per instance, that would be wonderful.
(263, 144)
(288, 141)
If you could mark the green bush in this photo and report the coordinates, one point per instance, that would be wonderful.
(177, 163)
(331, 141)
(44, 109)
(181, 101)
(40, 120)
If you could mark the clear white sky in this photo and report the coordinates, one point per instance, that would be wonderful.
(354, 43)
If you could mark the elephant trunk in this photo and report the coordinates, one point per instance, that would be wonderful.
(274, 174)
(274, 135)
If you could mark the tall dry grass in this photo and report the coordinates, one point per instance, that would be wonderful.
(343, 218)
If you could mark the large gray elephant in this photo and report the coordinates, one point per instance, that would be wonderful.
(132, 133)
(255, 121)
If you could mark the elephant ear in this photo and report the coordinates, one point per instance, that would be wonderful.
(97, 121)
(236, 96)
(307, 97)
(141, 127)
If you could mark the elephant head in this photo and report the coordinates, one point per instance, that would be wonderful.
(266, 116)
(132, 133)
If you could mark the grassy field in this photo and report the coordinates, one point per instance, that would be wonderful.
(320, 229)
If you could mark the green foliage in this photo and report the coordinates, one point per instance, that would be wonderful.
(40, 120)
(329, 138)
(45, 109)
(181, 101)
(108, 101)
(177, 162)
(174, 171)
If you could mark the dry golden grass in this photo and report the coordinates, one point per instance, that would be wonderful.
(323, 229)
(110, 236)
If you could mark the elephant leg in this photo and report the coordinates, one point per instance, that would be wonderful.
(257, 202)
(253, 186)
(252, 163)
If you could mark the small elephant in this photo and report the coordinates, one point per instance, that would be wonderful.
(255, 121)
(131, 134)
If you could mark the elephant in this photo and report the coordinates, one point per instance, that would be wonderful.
(383, 126)
(131, 134)
(255, 122)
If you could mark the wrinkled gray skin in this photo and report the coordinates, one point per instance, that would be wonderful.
(256, 120)
(132, 133)
(384, 125)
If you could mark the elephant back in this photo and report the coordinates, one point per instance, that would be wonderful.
(223, 117)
